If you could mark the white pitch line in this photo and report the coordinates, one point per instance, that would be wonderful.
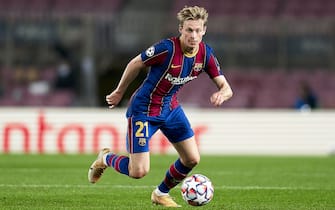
(147, 187)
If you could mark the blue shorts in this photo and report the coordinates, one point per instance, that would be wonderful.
(174, 126)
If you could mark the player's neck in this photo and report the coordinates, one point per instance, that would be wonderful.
(189, 51)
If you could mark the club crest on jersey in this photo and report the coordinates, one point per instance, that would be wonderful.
(150, 51)
(142, 142)
(197, 67)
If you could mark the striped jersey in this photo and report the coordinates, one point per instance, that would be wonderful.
(170, 69)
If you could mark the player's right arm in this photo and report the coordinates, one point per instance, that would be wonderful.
(130, 73)
(224, 93)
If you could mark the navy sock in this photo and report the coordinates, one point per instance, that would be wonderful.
(118, 162)
(176, 173)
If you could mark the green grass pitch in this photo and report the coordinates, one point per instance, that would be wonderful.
(241, 182)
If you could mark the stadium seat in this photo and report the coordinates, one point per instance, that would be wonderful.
(60, 98)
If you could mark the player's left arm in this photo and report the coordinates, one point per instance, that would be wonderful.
(214, 71)
(224, 93)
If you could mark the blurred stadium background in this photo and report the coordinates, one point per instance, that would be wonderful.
(59, 58)
(71, 53)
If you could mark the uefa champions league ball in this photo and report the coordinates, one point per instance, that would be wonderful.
(197, 190)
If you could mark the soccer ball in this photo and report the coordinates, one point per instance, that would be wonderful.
(197, 190)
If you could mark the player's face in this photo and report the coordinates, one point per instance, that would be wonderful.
(192, 32)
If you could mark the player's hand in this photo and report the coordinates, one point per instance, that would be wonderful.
(113, 99)
(225, 92)
(219, 97)
(216, 99)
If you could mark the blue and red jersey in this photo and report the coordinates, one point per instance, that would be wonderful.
(170, 69)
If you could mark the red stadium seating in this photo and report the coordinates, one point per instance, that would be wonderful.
(263, 8)
(257, 88)
(58, 7)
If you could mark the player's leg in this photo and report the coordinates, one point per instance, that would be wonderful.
(140, 131)
(107, 159)
(179, 132)
(188, 152)
(189, 157)
(139, 164)
(136, 165)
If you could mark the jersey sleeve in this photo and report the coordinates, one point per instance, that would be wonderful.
(156, 54)
(212, 68)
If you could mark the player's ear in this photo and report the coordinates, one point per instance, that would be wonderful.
(204, 31)
(180, 28)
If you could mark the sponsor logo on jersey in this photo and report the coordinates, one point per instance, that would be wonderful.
(179, 80)
(150, 51)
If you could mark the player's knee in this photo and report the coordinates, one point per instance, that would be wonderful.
(192, 162)
(138, 173)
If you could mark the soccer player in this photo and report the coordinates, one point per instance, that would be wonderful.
(173, 62)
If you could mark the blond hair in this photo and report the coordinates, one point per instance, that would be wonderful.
(192, 13)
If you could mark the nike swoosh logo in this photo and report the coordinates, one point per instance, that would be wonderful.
(175, 66)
